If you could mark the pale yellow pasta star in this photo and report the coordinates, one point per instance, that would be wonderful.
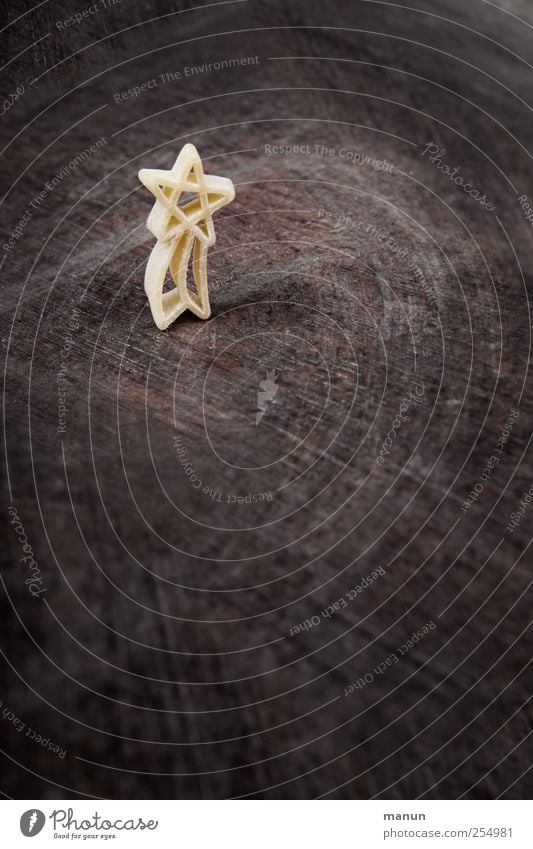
(180, 231)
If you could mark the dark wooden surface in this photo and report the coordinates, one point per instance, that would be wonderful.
(159, 654)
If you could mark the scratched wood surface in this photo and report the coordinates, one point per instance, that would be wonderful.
(192, 617)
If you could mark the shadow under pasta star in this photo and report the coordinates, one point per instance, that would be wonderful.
(180, 231)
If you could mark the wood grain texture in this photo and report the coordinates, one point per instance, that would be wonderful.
(159, 656)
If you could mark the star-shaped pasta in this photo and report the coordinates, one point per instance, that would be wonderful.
(180, 231)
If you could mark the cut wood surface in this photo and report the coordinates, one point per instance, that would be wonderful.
(202, 602)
